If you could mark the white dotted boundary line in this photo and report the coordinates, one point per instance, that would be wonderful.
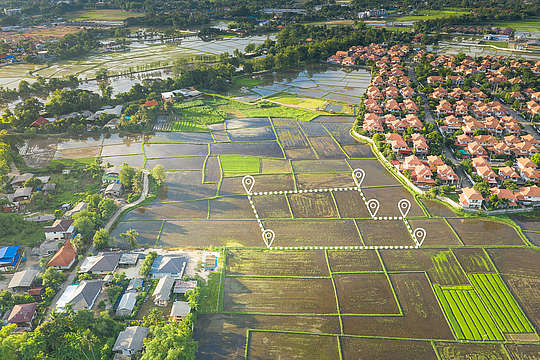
(346, 247)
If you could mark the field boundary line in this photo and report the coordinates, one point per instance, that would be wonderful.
(335, 204)
(277, 137)
(158, 237)
(289, 206)
(276, 276)
(359, 232)
(389, 282)
(221, 289)
(454, 231)
(335, 290)
(248, 333)
(204, 165)
(337, 143)
(208, 202)
(435, 350)
(338, 339)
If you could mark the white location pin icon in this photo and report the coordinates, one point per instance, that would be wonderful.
(358, 176)
(373, 207)
(404, 206)
(248, 181)
(419, 236)
(268, 237)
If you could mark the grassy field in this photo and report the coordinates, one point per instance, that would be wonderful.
(15, 231)
(532, 24)
(240, 164)
(501, 44)
(103, 15)
(291, 99)
(431, 14)
(195, 115)
(245, 81)
(239, 109)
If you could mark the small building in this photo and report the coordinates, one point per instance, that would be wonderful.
(111, 175)
(64, 257)
(22, 194)
(80, 206)
(23, 279)
(181, 286)
(100, 264)
(134, 285)
(10, 257)
(128, 259)
(81, 296)
(22, 314)
(127, 303)
(162, 291)
(471, 198)
(172, 265)
(114, 190)
(209, 261)
(130, 341)
(179, 310)
(19, 180)
(61, 229)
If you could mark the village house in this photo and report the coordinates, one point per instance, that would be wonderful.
(64, 257)
(130, 341)
(179, 310)
(22, 315)
(471, 198)
(61, 229)
(126, 304)
(162, 292)
(80, 296)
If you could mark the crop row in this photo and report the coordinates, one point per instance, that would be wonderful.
(504, 308)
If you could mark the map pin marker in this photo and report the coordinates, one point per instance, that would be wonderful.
(358, 176)
(248, 181)
(373, 207)
(419, 236)
(268, 237)
(404, 206)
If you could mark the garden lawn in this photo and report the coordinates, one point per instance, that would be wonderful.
(103, 14)
(240, 164)
(291, 99)
(431, 14)
(266, 109)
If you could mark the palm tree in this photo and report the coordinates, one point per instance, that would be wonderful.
(131, 238)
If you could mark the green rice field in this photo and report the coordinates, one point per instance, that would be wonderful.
(240, 164)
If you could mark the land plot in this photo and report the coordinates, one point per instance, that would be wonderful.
(75, 143)
(179, 137)
(467, 314)
(379, 349)
(389, 197)
(284, 122)
(40, 145)
(131, 160)
(272, 345)
(291, 138)
(174, 149)
(358, 151)
(533, 237)
(351, 205)
(321, 166)
(481, 232)
(202, 234)
(313, 205)
(527, 292)
(365, 294)
(247, 123)
(529, 221)
(340, 132)
(524, 351)
(376, 174)
(276, 263)
(212, 169)
(516, 261)
(326, 148)
(38, 160)
(383, 233)
(422, 316)
(233, 185)
(344, 98)
(352, 261)
(148, 232)
(324, 181)
(122, 149)
(176, 210)
(437, 232)
(185, 185)
(279, 295)
(272, 206)
(313, 129)
(77, 153)
(300, 154)
(121, 138)
(252, 134)
(437, 209)
(313, 233)
(333, 119)
(275, 166)
(268, 149)
(457, 351)
(502, 305)
(231, 208)
(240, 164)
(179, 163)
(473, 260)
(221, 136)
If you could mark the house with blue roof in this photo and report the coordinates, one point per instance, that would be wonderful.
(10, 257)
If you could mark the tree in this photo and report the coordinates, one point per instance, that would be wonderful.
(52, 278)
(126, 175)
(171, 340)
(159, 174)
(131, 238)
(536, 159)
(483, 188)
(101, 239)
(193, 298)
(84, 222)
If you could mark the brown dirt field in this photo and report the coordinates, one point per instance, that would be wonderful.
(323, 181)
(382, 233)
(220, 136)
(437, 232)
(231, 208)
(365, 294)
(326, 148)
(185, 163)
(210, 233)
(382, 349)
(527, 293)
(480, 232)
(212, 170)
(422, 318)
(276, 263)
(358, 151)
(231, 186)
(267, 346)
(389, 197)
(174, 149)
(291, 138)
(78, 153)
(284, 122)
(279, 295)
(40, 33)
(533, 237)
(185, 185)
(524, 351)
(131, 160)
(357, 260)
(457, 351)
(313, 205)
(275, 166)
(473, 260)
(300, 154)
(516, 261)
(181, 210)
(437, 209)
(376, 174)
(272, 206)
(321, 166)
(308, 232)
(148, 232)
(351, 205)
(528, 221)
